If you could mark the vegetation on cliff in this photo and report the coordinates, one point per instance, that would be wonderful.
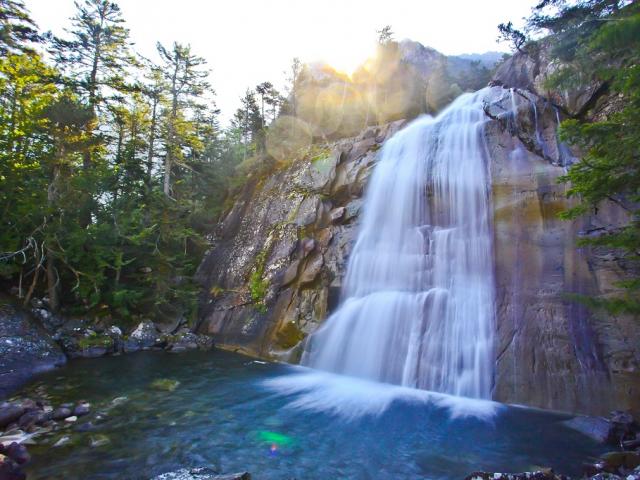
(597, 42)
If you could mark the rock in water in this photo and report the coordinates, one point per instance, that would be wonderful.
(595, 427)
(82, 409)
(165, 384)
(143, 337)
(547, 474)
(9, 413)
(201, 473)
(61, 413)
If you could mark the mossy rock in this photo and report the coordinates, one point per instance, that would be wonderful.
(165, 384)
(289, 336)
(92, 341)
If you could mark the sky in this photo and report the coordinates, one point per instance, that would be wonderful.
(246, 42)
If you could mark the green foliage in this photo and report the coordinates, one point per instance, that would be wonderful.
(258, 289)
(95, 340)
(17, 30)
(106, 187)
(258, 285)
(508, 33)
(599, 40)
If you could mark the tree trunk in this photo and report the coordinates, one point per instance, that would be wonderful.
(52, 282)
(52, 199)
(168, 161)
(152, 140)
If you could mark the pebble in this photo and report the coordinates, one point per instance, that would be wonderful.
(61, 413)
(99, 441)
(62, 441)
(81, 409)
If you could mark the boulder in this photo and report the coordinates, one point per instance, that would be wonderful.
(10, 470)
(623, 426)
(81, 409)
(311, 269)
(25, 347)
(290, 273)
(531, 71)
(16, 452)
(61, 413)
(614, 461)
(143, 337)
(597, 428)
(337, 214)
(187, 340)
(9, 413)
(34, 417)
(84, 342)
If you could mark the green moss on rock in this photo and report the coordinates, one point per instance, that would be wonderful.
(289, 336)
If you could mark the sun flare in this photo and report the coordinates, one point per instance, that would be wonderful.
(347, 59)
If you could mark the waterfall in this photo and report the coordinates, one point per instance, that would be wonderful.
(417, 306)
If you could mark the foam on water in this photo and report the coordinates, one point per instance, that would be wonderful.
(351, 398)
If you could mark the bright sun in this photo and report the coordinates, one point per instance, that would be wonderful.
(347, 58)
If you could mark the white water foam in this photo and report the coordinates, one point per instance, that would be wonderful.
(351, 398)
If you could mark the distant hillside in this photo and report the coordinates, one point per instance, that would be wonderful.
(487, 59)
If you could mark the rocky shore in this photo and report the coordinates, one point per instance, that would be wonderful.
(620, 431)
(21, 421)
(36, 340)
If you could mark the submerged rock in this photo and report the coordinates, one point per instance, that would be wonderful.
(597, 428)
(547, 474)
(165, 384)
(201, 473)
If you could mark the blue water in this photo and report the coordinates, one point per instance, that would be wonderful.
(282, 422)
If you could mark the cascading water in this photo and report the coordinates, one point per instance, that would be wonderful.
(418, 297)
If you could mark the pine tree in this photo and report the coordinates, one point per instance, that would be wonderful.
(185, 80)
(17, 30)
(95, 59)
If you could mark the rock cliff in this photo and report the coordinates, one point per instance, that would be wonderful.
(277, 259)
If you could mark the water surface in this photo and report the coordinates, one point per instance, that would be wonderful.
(283, 422)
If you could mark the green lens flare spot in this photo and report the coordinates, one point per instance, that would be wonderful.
(274, 438)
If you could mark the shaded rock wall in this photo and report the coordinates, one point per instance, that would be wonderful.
(552, 352)
(278, 258)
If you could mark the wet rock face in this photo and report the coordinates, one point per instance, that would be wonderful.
(279, 255)
(25, 348)
(531, 71)
(552, 352)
